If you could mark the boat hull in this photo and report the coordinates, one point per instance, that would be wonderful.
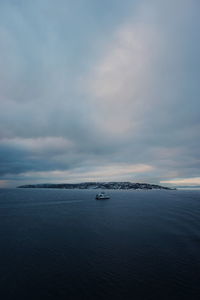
(102, 198)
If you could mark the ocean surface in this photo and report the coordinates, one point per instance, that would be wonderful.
(64, 244)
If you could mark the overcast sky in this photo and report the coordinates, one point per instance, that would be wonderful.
(99, 91)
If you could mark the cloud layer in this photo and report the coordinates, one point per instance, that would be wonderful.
(93, 92)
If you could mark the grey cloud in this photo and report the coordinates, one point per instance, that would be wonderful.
(134, 99)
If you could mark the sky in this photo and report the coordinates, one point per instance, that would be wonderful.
(99, 91)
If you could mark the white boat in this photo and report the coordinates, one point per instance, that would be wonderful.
(102, 196)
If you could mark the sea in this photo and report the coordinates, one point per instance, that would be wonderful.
(64, 244)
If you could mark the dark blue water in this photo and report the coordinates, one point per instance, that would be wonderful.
(63, 244)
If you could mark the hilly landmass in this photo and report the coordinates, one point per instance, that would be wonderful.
(99, 185)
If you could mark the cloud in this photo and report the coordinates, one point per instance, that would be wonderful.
(19, 155)
(145, 87)
(117, 82)
(88, 98)
(4, 183)
(108, 172)
(183, 181)
(46, 144)
(143, 70)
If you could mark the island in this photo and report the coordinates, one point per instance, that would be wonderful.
(99, 185)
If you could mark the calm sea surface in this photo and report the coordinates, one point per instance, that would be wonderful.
(64, 244)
